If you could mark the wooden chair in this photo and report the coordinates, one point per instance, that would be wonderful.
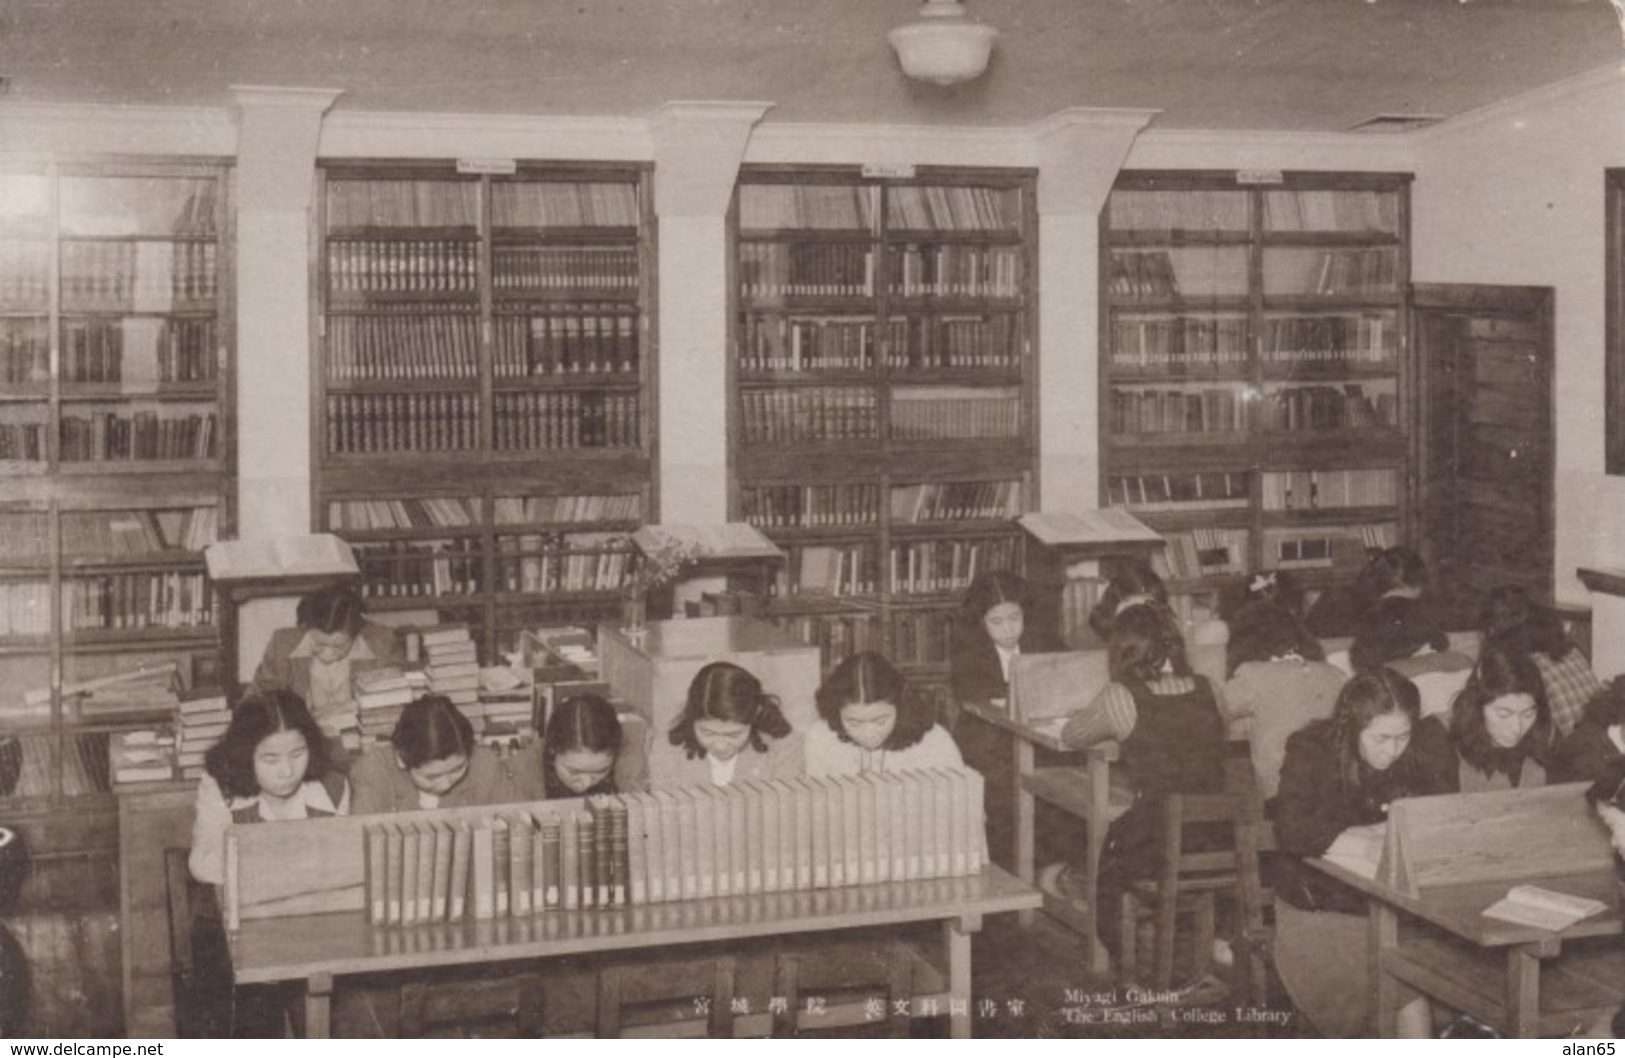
(667, 999)
(1189, 881)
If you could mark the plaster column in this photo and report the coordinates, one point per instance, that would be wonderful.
(278, 129)
(697, 151)
(1080, 151)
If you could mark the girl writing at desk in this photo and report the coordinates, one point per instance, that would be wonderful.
(270, 765)
(872, 725)
(1339, 777)
(319, 659)
(434, 761)
(731, 730)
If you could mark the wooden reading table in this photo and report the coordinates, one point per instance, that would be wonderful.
(1448, 858)
(316, 948)
(1083, 790)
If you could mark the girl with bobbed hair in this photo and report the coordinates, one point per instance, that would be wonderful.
(433, 760)
(995, 625)
(270, 765)
(873, 724)
(731, 730)
(1500, 724)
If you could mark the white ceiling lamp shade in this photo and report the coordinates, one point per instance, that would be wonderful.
(944, 46)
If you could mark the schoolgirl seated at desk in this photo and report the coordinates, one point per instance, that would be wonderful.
(1501, 725)
(433, 760)
(872, 725)
(731, 730)
(319, 659)
(270, 765)
(586, 751)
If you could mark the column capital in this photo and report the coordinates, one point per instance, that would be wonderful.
(1080, 151)
(697, 148)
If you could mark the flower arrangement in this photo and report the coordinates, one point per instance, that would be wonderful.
(659, 566)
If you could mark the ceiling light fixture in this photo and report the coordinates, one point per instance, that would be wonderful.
(944, 46)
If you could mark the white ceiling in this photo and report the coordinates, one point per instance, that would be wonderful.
(1207, 64)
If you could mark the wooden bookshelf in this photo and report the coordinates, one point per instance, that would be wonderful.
(1256, 386)
(115, 449)
(881, 379)
(484, 405)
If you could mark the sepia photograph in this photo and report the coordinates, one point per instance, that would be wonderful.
(917, 519)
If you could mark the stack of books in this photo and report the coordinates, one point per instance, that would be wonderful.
(380, 696)
(201, 723)
(146, 755)
(454, 668)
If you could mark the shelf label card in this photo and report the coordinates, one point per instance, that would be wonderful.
(888, 170)
(487, 166)
(1258, 176)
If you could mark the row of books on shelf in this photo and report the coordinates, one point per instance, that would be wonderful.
(1222, 409)
(945, 412)
(691, 843)
(950, 501)
(143, 276)
(113, 602)
(1209, 342)
(80, 758)
(403, 568)
(372, 423)
(843, 342)
(586, 340)
(135, 350)
(1183, 340)
(1202, 490)
(402, 266)
(426, 344)
(362, 204)
(137, 436)
(110, 534)
(857, 503)
(770, 271)
(574, 419)
(1198, 209)
(824, 413)
(837, 636)
(1205, 552)
(25, 348)
(522, 270)
(810, 506)
(1286, 490)
(25, 272)
(1343, 547)
(457, 512)
(1328, 408)
(22, 442)
(1365, 337)
(828, 207)
(925, 566)
(566, 562)
(564, 204)
(1286, 272)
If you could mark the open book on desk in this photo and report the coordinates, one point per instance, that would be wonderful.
(1532, 905)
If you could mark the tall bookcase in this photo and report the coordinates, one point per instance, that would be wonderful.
(882, 416)
(484, 389)
(1256, 385)
(115, 455)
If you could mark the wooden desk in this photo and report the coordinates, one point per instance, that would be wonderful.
(317, 948)
(1083, 790)
(1525, 982)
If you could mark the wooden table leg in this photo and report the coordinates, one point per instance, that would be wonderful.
(1024, 820)
(319, 1006)
(1382, 992)
(1098, 820)
(957, 933)
(1523, 992)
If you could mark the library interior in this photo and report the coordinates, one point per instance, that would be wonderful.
(695, 518)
